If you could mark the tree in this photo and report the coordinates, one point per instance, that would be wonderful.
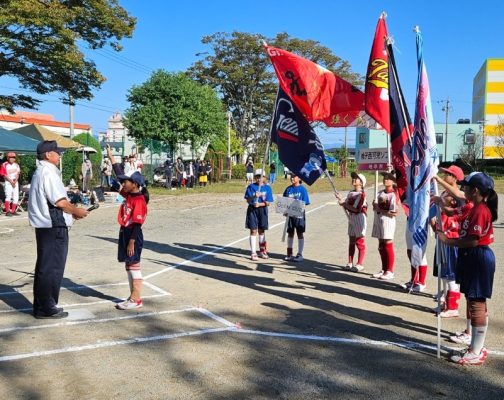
(499, 138)
(176, 109)
(471, 150)
(72, 160)
(39, 45)
(240, 70)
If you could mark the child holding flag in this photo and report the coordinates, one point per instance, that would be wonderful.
(132, 215)
(384, 224)
(258, 196)
(298, 224)
(476, 261)
(355, 205)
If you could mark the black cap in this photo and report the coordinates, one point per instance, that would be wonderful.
(47, 146)
(388, 175)
(478, 179)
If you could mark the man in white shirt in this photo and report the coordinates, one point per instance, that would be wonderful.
(50, 213)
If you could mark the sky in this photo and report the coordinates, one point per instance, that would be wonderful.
(458, 37)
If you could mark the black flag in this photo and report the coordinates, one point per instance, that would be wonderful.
(299, 147)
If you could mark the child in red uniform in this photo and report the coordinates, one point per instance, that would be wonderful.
(132, 215)
(476, 261)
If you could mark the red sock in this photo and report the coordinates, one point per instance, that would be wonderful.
(351, 250)
(7, 206)
(422, 274)
(361, 245)
(383, 256)
(389, 248)
(13, 208)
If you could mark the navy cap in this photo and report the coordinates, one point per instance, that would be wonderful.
(47, 146)
(133, 176)
(478, 179)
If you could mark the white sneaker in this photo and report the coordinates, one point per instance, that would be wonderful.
(470, 358)
(349, 266)
(263, 255)
(461, 338)
(288, 258)
(129, 304)
(254, 257)
(378, 274)
(298, 258)
(418, 288)
(387, 276)
(449, 314)
(357, 268)
(407, 285)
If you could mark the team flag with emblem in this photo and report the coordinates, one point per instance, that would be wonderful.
(318, 93)
(299, 147)
(424, 162)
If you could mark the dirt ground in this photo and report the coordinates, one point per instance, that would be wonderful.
(216, 325)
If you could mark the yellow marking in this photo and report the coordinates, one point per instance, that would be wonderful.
(494, 109)
(495, 65)
(495, 87)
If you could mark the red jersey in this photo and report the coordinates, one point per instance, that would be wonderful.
(450, 226)
(133, 209)
(478, 223)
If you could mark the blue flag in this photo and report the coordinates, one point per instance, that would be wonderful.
(299, 147)
(424, 163)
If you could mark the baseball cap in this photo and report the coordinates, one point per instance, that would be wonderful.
(455, 171)
(259, 172)
(478, 179)
(11, 154)
(388, 175)
(47, 146)
(362, 178)
(133, 176)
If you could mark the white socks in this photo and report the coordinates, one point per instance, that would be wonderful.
(478, 338)
(253, 242)
(290, 242)
(453, 287)
(300, 246)
(262, 238)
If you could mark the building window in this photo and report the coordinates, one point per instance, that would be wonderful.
(469, 137)
(439, 138)
(362, 138)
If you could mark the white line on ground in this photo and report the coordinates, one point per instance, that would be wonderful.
(218, 249)
(198, 207)
(6, 230)
(94, 320)
(156, 288)
(11, 309)
(77, 287)
(215, 317)
(111, 343)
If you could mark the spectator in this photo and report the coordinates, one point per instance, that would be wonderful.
(87, 174)
(190, 175)
(168, 170)
(202, 174)
(179, 169)
(272, 175)
(11, 171)
(249, 169)
(209, 172)
(106, 172)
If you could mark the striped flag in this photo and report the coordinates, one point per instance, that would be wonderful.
(424, 162)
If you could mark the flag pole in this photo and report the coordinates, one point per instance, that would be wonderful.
(334, 188)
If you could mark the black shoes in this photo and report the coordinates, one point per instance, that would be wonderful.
(59, 314)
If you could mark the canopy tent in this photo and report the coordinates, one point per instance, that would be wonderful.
(40, 133)
(13, 141)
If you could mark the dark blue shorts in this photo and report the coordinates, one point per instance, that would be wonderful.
(475, 272)
(124, 237)
(448, 270)
(257, 218)
(296, 224)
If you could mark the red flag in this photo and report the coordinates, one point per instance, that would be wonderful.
(377, 78)
(317, 92)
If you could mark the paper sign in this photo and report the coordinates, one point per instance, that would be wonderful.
(290, 206)
(373, 159)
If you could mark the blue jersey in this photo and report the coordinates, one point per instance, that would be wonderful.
(266, 193)
(298, 193)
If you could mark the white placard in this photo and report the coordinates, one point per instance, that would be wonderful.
(373, 159)
(290, 206)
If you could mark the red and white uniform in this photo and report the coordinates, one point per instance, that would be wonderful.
(383, 225)
(357, 221)
(12, 171)
(132, 210)
(478, 223)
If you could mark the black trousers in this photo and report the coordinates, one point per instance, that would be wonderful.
(52, 250)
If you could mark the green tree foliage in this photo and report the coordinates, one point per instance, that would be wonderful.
(172, 107)
(220, 144)
(72, 160)
(39, 45)
(238, 67)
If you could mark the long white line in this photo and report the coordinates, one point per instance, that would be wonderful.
(218, 249)
(156, 288)
(11, 309)
(215, 317)
(100, 345)
(94, 321)
(77, 287)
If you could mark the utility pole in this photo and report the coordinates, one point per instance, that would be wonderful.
(229, 143)
(446, 109)
(71, 103)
